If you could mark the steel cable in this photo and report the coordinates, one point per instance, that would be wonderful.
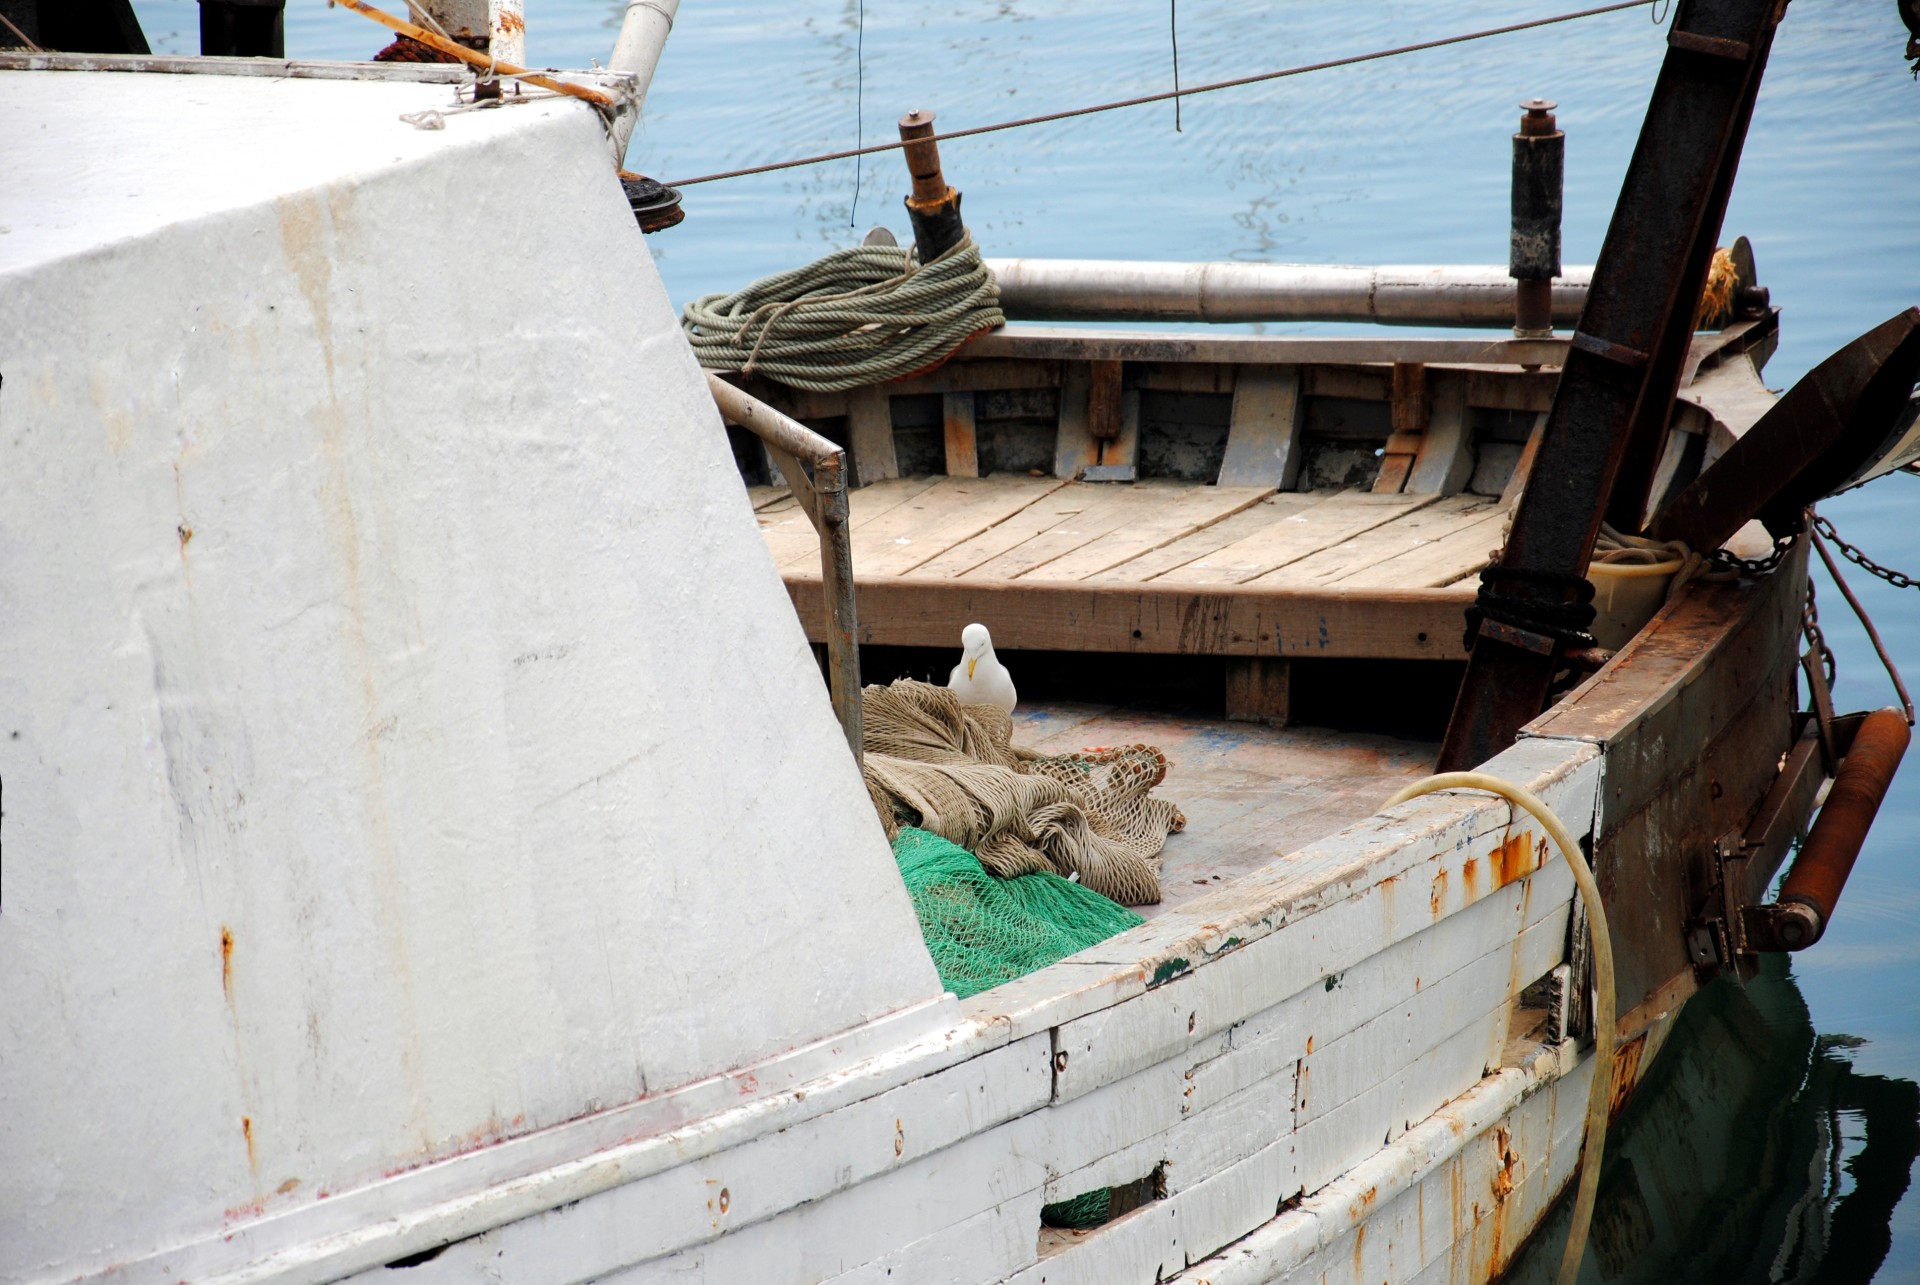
(1176, 94)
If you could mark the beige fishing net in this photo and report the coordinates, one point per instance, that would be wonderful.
(952, 769)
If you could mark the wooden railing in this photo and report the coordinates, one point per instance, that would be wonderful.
(816, 472)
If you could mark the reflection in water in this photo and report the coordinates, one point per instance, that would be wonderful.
(1752, 1152)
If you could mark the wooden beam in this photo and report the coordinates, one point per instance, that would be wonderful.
(963, 456)
(870, 426)
(1075, 447)
(1409, 417)
(1263, 435)
(1445, 459)
(1259, 689)
(1224, 620)
(1119, 455)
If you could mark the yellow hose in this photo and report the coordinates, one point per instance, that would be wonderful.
(1605, 1031)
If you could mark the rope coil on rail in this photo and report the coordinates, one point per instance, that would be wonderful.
(859, 316)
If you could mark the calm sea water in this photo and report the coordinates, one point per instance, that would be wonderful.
(1402, 161)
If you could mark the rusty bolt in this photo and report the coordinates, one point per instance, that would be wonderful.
(1060, 1061)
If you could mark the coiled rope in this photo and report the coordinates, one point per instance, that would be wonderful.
(856, 317)
(1605, 1030)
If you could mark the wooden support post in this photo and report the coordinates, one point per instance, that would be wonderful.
(1075, 448)
(870, 429)
(1409, 426)
(1263, 435)
(1259, 689)
(957, 418)
(1119, 455)
(1523, 467)
(1445, 460)
(1103, 400)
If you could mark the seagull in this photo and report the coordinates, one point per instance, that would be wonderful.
(980, 677)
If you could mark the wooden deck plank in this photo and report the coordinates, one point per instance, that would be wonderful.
(1446, 560)
(1295, 537)
(1111, 529)
(791, 537)
(953, 510)
(1057, 507)
(1406, 533)
(1168, 541)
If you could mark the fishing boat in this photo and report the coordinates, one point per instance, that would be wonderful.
(435, 855)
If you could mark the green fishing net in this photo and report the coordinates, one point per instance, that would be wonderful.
(983, 930)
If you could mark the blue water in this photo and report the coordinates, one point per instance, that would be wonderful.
(1402, 161)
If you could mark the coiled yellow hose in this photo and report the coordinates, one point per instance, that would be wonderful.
(1605, 1029)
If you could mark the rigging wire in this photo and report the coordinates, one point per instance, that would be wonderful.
(1173, 34)
(1177, 94)
(859, 102)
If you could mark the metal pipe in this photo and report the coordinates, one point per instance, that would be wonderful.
(636, 50)
(1399, 294)
(823, 497)
(1533, 255)
(1813, 883)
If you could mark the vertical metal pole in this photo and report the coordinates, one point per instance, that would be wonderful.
(933, 207)
(1533, 258)
(836, 581)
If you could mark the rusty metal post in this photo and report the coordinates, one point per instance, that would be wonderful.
(816, 472)
(836, 581)
(1533, 256)
(1813, 882)
(933, 207)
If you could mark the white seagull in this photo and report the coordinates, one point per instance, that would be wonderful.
(980, 677)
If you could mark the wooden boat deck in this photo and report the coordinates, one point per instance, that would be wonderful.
(1029, 531)
(1250, 793)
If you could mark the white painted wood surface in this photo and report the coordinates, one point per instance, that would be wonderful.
(405, 728)
(1371, 983)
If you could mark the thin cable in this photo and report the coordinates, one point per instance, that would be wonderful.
(21, 36)
(1173, 32)
(1144, 99)
(859, 103)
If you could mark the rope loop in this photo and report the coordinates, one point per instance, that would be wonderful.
(859, 316)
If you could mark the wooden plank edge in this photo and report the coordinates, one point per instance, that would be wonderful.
(1226, 620)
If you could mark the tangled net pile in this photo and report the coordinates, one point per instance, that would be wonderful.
(951, 768)
(857, 317)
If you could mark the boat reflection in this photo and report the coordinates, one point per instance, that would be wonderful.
(1752, 1152)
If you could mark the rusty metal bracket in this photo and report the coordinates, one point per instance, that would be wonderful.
(1612, 405)
(1827, 431)
(822, 496)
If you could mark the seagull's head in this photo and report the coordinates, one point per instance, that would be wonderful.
(975, 642)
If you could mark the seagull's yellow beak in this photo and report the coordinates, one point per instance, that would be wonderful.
(970, 664)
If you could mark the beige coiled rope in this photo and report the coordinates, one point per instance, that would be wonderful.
(856, 317)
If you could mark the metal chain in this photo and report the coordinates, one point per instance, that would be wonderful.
(1727, 561)
(1898, 579)
(1817, 641)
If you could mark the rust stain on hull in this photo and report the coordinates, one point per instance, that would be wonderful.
(1515, 858)
(1626, 1074)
